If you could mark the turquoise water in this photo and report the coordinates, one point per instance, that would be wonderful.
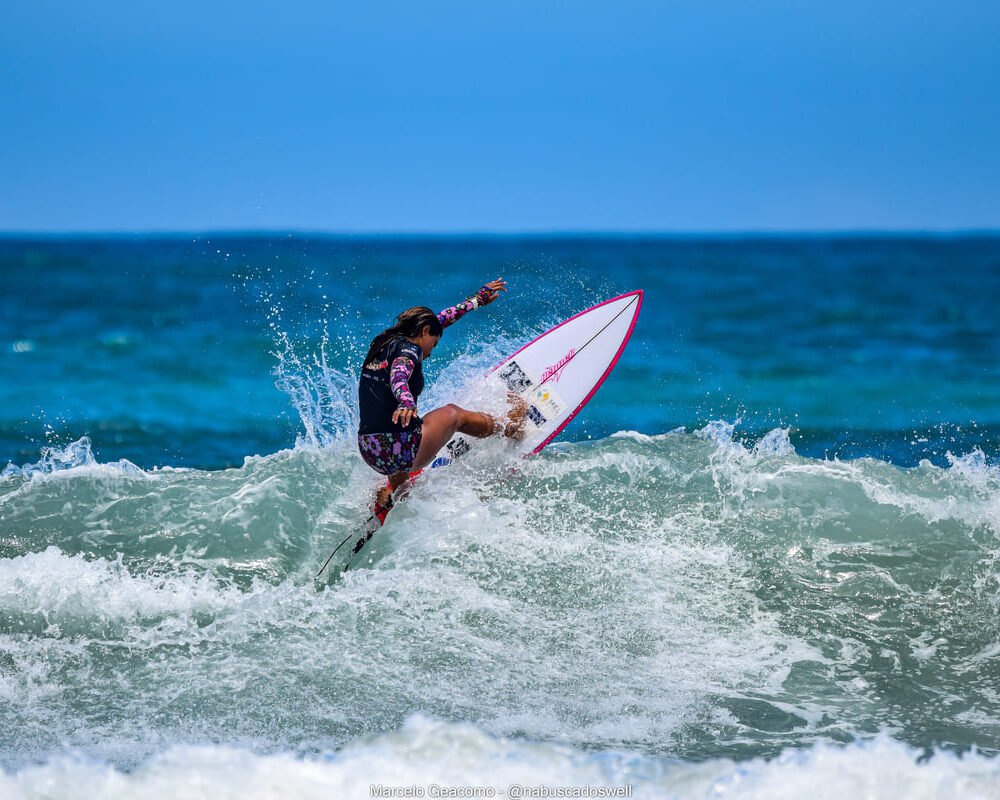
(763, 560)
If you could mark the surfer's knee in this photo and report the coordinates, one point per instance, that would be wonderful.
(442, 422)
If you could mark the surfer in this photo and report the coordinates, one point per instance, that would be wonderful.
(392, 438)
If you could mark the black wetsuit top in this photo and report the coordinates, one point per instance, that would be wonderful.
(376, 400)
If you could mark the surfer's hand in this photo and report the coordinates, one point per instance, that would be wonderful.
(491, 291)
(403, 416)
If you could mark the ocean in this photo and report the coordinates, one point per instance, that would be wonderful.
(762, 562)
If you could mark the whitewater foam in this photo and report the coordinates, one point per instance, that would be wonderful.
(673, 594)
(431, 758)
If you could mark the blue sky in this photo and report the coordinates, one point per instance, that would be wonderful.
(489, 116)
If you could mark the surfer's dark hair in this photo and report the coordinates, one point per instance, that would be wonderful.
(408, 324)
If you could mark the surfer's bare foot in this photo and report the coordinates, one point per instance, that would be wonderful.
(514, 428)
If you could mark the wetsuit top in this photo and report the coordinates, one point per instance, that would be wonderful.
(396, 378)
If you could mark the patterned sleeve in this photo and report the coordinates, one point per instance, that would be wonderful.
(399, 377)
(454, 313)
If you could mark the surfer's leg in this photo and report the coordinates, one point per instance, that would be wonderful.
(385, 492)
(384, 495)
(443, 423)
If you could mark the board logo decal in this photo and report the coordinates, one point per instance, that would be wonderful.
(515, 378)
(555, 371)
(536, 416)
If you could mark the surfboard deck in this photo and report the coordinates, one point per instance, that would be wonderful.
(555, 374)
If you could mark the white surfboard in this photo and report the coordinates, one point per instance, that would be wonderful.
(557, 373)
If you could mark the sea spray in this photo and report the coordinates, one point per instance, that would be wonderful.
(72, 455)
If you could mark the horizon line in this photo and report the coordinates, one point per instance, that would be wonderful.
(506, 234)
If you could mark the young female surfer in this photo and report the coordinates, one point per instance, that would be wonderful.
(392, 439)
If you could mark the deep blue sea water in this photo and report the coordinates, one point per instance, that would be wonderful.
(162, 350)
(762, 560)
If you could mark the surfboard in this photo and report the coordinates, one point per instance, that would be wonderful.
(555, 374)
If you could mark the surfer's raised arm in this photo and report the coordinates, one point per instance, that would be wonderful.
(485, 296)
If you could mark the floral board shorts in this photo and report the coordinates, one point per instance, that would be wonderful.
(389, 453)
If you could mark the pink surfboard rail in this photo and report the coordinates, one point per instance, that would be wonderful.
(600, 381)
